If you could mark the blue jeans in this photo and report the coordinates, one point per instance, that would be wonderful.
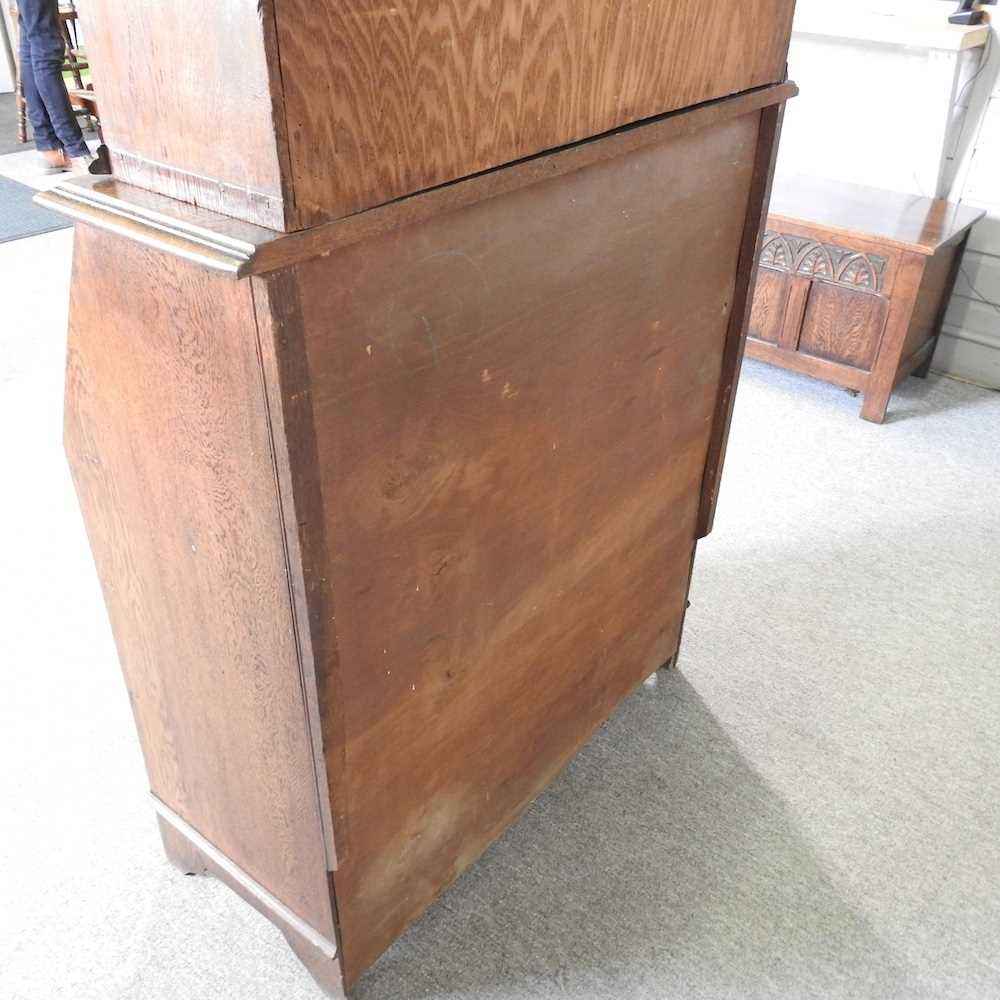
(41, 57)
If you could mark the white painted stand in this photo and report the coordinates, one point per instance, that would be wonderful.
(885, 94)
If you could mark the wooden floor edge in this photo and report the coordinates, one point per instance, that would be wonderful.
(246, 885)
(206, 238)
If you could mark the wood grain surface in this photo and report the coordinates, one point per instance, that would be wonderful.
(168, 440)
(767, 316)
(188, 101)
(512, 407)
(829, 371)
(842, 325)
(192, 854)
(936, 285)
(885, 370)
(387, 529)
(386, 99)
(291, 248)
(240, 248)
(891, 219)
(288, 113)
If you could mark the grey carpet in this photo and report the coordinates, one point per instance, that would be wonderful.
(8, 127)
(809, 808)
(21, 217)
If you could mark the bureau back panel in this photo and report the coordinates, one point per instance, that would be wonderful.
(512, 407)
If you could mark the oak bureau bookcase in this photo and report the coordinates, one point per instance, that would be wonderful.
(402, 353)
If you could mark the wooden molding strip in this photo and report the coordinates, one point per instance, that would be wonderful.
(85, 202)
(241, 249)
(245, 885)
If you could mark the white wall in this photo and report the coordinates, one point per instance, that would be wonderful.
(880, 113)
(6, 56)
(970, 342)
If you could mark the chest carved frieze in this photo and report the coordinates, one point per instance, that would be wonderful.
(814, 259)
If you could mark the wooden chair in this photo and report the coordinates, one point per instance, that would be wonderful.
(76, 63)
(20, 106)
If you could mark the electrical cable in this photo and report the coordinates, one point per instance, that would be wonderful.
(987, 53)
(977, 295)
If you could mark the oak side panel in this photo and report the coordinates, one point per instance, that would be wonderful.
(512, 406)
(185, 92)
(386, 99)
(167, 436)
(935, 287)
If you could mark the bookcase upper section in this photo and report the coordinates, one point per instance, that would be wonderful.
(290, 113)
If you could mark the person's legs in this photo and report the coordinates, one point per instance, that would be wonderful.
(42, 51)
(42, 130)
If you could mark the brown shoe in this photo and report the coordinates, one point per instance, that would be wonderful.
(54, 161)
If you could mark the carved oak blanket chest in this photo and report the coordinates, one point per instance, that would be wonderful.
(854, 283)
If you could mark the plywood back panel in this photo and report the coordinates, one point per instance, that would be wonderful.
(939, 274)
(512, 406)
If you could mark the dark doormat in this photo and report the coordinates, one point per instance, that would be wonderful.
(21, 217)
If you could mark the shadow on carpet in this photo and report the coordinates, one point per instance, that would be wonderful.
(21, 217)
(658, 865)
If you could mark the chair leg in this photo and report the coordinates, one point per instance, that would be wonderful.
(22, 113)
(72, 44)
(20, 106)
